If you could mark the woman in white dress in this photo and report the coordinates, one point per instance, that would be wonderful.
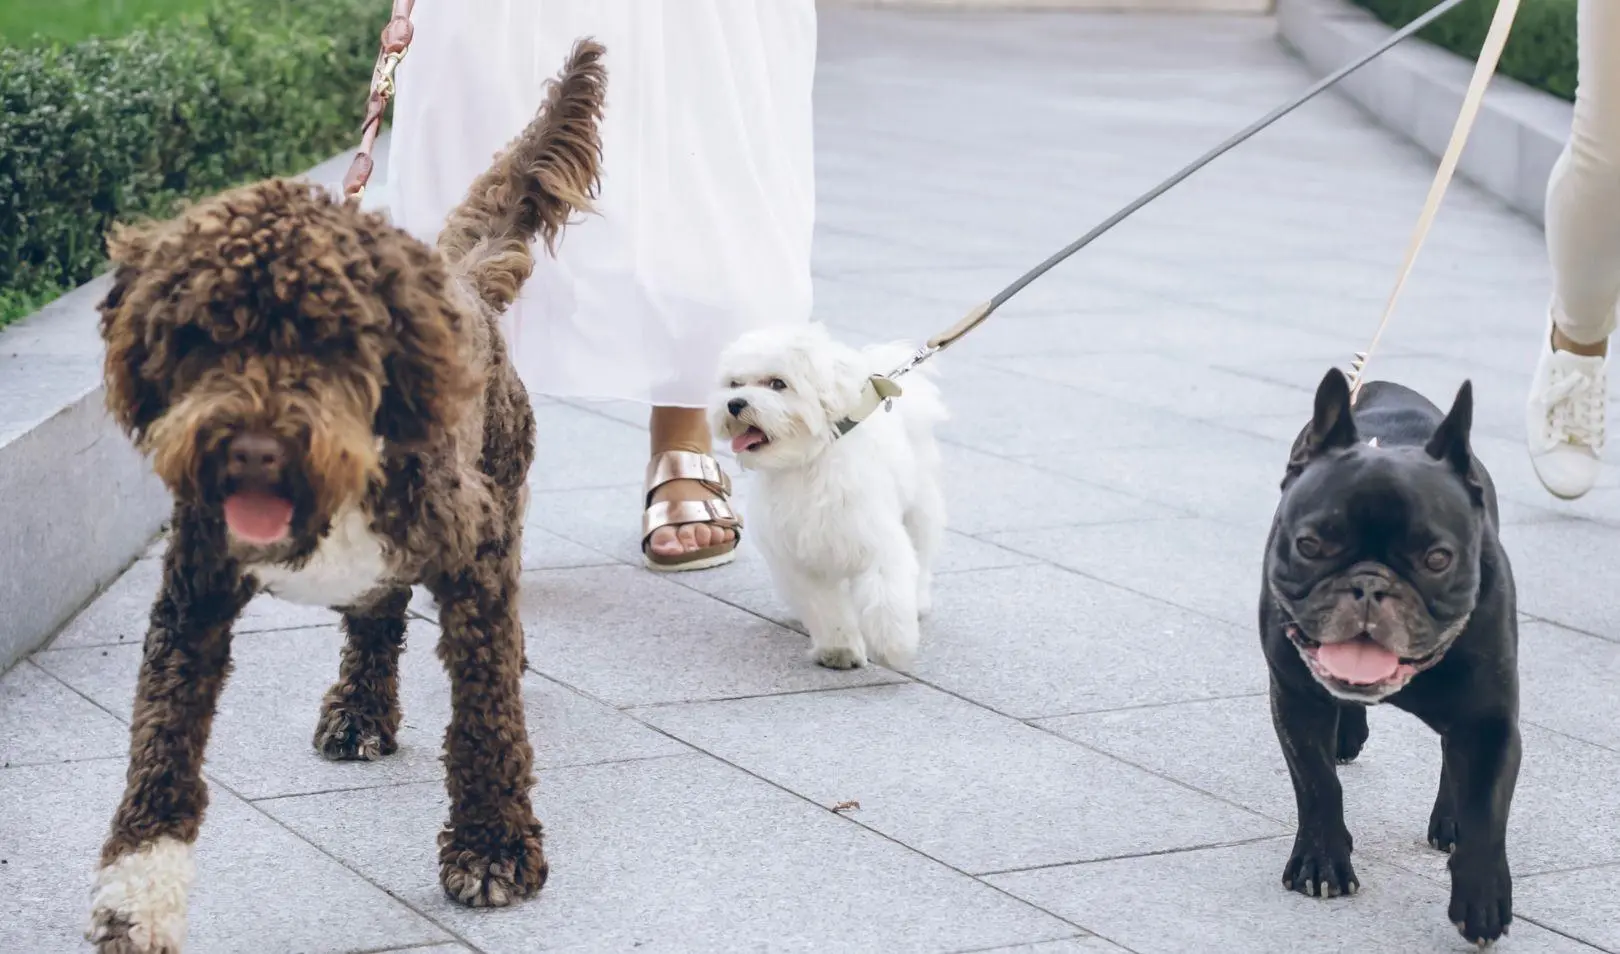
(704, 220)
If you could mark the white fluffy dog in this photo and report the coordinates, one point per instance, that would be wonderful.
(849, 526)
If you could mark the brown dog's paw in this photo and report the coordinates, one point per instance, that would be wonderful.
(345, 733)
(483, 872)
(112, 934)
(138, 905)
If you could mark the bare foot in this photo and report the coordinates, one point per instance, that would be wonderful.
(674, 541)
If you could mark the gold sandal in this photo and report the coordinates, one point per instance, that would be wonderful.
(717, 512)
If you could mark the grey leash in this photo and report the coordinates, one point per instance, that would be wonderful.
(881, 389)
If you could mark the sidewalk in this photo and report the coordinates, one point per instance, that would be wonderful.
(1081, 761)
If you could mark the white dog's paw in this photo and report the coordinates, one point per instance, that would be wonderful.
(139, 904)
(839, 657)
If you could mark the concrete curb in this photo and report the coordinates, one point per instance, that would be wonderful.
(1417, 89)
(78, 504)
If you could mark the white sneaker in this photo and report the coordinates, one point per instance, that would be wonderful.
(1565, 420)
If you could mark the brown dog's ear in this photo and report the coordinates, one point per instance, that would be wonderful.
(1333, 425)
(1450, 442)
(133, 399)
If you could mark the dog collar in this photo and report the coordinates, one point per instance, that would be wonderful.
(879, 391)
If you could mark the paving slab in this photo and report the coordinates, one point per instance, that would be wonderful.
(42, 721)
(1229, 749)
(680, 854)
(914, 757)
(259, 890)
(1040, 641)
(261, 744)
(627, 637)
(1232, 898)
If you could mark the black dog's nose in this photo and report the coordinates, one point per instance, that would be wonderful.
(255, 457)
(1370, 588)
(736, 406)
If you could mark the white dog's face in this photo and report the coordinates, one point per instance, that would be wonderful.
(781, 392)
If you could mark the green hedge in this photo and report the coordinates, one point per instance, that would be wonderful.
(1540, 50)
(108, 129)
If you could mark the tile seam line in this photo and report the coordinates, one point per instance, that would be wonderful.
(847, 818)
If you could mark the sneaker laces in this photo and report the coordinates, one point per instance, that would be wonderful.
(1574, 399)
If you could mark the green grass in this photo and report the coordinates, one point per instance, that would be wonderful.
(27, 22)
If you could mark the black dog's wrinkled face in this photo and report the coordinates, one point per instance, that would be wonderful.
(1376, 557)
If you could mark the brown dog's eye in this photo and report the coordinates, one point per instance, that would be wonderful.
(1309, 547)
(777, 384)
(1438, 560)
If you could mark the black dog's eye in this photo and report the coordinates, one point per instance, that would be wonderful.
(1310, 547)
(777, 384)
(1438, 560)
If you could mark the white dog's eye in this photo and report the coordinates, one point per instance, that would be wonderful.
(777, 384)
(734, 385)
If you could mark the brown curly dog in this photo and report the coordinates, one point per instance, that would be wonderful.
(331, 404)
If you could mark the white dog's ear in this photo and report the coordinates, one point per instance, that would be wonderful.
(843, 378)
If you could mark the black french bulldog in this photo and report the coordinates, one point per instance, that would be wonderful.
(1385, 581)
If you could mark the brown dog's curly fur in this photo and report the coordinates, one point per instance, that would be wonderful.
(370, 371)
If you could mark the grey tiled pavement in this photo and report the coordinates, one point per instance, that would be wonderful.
(1080, 761)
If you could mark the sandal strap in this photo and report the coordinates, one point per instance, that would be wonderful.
(687, 465)
(676, 513)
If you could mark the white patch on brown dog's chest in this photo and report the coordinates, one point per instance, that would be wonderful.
(348, 565)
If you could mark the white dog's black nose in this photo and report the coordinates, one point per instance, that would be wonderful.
(736, 406)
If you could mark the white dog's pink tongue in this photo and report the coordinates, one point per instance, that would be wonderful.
(258, 517)
(1360, 662)
(747, 440)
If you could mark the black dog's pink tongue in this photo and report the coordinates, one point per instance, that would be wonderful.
(258, 517)
(1360, 662)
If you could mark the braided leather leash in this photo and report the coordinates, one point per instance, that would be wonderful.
(396, 40)
(881, 389)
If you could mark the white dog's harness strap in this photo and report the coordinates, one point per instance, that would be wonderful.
(877, 392)
(1484, 69)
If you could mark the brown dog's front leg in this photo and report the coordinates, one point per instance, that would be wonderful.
(359, 718)
(139, 901)
(490, 853)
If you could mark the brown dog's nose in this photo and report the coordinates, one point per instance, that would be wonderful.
(255, 457)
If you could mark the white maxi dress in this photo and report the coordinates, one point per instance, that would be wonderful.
(707, 199)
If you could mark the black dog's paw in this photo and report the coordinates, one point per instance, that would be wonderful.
(1481, 900)
(1352, 734)
(1320, 867)
(346, 732)
(1442, 830)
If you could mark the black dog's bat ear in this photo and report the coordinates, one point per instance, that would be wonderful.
(1332, 424)
(1450, 441)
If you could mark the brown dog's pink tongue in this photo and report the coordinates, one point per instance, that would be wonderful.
(257, 517)
(1360, 662)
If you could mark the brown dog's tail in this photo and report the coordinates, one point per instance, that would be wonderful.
(547, 173)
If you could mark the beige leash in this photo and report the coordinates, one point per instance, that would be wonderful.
(1489, 55)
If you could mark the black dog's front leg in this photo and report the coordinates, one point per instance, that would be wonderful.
(1482, 766)
(1307, 727)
